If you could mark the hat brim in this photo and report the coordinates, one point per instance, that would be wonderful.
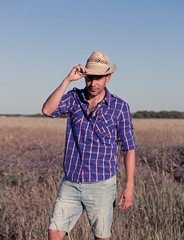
(100, 72)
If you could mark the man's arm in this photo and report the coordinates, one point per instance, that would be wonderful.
(127, 195)
(53, 101)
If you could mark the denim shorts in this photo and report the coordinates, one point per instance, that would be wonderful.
(96, 198)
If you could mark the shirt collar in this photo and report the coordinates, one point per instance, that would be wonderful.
(107, 98)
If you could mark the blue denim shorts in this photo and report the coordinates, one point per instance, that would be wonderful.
(96, 198)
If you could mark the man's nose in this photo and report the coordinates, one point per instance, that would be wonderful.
(93, 82)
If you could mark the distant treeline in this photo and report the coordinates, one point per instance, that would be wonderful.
(161, 114)
(139, 114)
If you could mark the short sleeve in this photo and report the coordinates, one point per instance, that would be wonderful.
(125, 129)
(65, 104)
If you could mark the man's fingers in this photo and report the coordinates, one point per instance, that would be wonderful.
(127, 201)
(126, 205)
(81, 69)
(121, 200)
(77, 72)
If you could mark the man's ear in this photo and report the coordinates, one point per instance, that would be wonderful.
(108, 77)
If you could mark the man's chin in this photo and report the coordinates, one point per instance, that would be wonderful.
(93, 93)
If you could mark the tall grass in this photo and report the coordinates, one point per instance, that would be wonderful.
(31, 153)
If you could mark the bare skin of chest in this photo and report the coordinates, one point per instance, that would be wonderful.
(92, 106)
(94, 101)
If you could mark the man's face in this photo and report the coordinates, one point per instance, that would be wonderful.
(95, 85)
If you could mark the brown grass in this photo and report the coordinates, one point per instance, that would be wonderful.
(27, 195)
(168, 131)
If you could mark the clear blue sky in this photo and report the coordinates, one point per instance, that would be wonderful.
(41, 40)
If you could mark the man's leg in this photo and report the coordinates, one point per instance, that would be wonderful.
(102, 238)
(98, 199)
(66, 211)
(56, 235)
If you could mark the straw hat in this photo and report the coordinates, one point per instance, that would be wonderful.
(98, 64)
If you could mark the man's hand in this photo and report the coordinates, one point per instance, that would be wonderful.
(76, 73)
(126, 198)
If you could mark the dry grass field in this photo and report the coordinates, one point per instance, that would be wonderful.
(31, 154)
(168, 131)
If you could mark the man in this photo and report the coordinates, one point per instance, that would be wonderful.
(98, 122)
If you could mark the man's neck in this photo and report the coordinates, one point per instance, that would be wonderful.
(94, 100)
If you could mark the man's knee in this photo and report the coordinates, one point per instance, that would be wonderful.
(56, 235)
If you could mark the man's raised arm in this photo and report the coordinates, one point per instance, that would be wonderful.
(53, 100)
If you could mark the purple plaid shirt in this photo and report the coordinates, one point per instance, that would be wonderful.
(91, 149)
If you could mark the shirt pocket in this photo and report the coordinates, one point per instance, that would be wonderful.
(76, 119)
(106, 130)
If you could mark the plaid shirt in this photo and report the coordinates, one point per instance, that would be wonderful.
(91, 149)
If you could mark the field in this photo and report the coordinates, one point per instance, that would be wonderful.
(31, 153)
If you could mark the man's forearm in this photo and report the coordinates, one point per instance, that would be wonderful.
(129, 161)
(127, 195)
(53, 100)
